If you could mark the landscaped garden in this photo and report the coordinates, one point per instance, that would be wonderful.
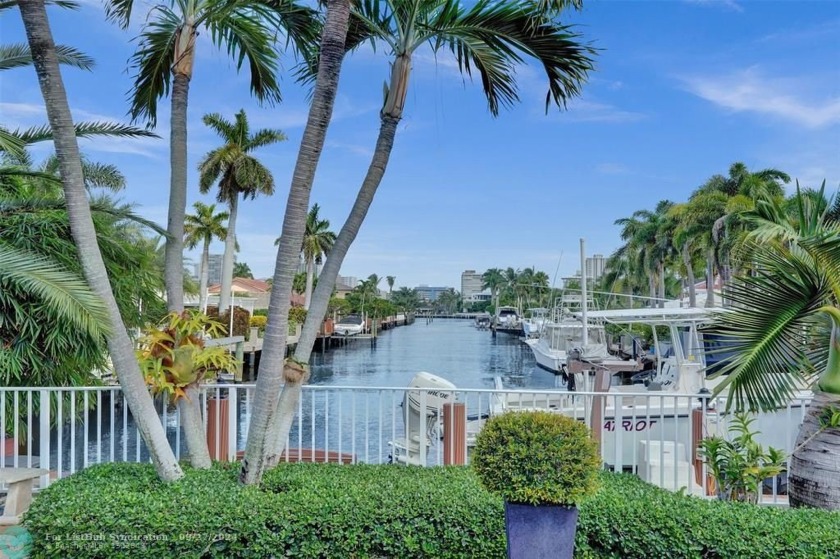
(318, 510)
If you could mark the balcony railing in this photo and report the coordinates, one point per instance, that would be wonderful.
(651, 434)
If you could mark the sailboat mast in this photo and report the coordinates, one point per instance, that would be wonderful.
(583, 303)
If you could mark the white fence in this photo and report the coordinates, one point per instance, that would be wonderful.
(651, 434)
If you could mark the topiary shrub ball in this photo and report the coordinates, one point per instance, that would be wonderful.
(537, 457)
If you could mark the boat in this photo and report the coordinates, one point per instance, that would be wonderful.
(507, 321)
(532, 326)
(482, 321)
(350, 325)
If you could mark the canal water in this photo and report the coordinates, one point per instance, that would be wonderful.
(451, 348)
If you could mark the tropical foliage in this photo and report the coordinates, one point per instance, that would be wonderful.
(202, 227)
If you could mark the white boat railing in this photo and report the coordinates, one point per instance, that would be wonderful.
(651, 434)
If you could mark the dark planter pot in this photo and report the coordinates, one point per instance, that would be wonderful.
(540, 531)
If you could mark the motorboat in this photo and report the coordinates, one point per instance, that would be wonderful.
(482, 321)
(533, 325)
(350, 325)
(507, 321)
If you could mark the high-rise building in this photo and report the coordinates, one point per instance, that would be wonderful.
(595, 267)
(349, 281)
(429, 294)
(214, 267)
(471, 283)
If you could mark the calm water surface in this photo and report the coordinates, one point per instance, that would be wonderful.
(452, 349)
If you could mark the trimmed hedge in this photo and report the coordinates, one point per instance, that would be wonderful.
(317, 510)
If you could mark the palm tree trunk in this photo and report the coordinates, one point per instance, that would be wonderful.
(652, 287)
(815, 464)
(227, 259)
(174, 255)
(661, 273)
(192, 421)
(272, 371)
(310, 276)
(689, 272)
(287, 406)
(710, 279)
(131, 380)
(205, 275)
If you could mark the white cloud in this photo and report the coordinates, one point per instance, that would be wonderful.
(730, 5)
(750, 91)
(581, 110)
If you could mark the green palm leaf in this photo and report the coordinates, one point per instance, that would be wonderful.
(18, 55)
(66, 293)
(769, 329)
(85, 130)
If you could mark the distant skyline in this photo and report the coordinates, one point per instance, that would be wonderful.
(682, 89)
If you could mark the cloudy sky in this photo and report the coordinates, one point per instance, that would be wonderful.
(682, 89)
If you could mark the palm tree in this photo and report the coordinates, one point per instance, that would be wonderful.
(489, 37)
(390, 281)
(165, 57)
(202, 227)
(237, 172)
(742, 188)
(647, 247)
(317, 242)
(494, 280)
(272, 413)
(773, 335)
(695, 232)
(42, 47)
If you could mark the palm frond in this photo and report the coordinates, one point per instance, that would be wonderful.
(223, 127)
(152, 61)
(18, 55)
(264, 137)
(766, 343)
(11, 144)
(86, 130)
(66, 293)
(242, 34)
(253, 177)
(119, 11)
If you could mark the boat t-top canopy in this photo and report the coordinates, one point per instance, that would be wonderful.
(688, 315)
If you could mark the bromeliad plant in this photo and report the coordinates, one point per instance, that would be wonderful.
(173, 356)
(740, 465)
(174, 360)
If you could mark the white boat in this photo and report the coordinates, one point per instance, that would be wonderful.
(350, 325)
(507, 320)
(532, 326)
(482, 321)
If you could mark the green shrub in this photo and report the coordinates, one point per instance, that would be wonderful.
(258, 321)
(297, 315)
(537, 458)
(318, 510)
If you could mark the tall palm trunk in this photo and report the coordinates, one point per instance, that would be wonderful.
(689, 272)
(134, 388)
(192, 420)
(205, 277)
(660, 270)
(815, 464)
(652, 288)
(174, 254)
(310, 277)
(710, 278)
(227, 259)
(272, 371)
(389, 119)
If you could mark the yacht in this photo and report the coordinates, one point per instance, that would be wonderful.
(350, 325)
(507, 321)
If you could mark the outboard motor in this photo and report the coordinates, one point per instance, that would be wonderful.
(420, 422)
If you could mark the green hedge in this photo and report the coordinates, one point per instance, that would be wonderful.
(306, 510)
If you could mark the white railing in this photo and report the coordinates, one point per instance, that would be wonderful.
(651, 434)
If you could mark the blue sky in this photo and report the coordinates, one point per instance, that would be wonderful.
(682, 89)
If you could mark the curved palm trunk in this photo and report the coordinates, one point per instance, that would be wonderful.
(710, 279)
(205, 275)
(81, 226)
(287, 406)
(815, 464)
(652, 288)
(310, 277)
(192, 420)
(271, 373)
(689, 272)
(174, 255)
(227, 259)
